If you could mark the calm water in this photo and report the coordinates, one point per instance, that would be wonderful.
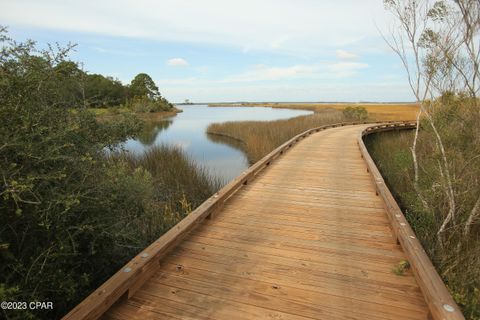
(188, 131)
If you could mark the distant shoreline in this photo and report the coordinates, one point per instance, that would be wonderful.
(297, 104)
(386, 111)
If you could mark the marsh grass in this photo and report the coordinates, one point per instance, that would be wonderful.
(458, 259)
(261, 137)
(177, 185)
(174, 173)
(171, 184)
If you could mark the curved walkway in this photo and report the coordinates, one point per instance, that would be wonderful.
(307, 239)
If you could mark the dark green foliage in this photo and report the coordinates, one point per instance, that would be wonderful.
(355, 113)
(145, 97)
(70, 80)
(75, 88)
(69, 216)
(103, 91)
(143, 86)
(151, 130)
(56, 205)
(144, 104)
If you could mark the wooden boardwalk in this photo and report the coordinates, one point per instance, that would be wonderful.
(308, 239)
(307, 236)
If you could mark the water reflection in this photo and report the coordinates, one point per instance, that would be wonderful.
(234, 143)
(222, 157)
(151, 129)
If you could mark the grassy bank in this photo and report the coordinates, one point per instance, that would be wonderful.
(261, 137)
(454, 251)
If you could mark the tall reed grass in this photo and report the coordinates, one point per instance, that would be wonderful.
(175, 184)
(261, 137)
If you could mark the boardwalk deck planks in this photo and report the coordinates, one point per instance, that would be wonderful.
(306, 233)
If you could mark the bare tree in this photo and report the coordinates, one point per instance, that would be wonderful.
(438, 45)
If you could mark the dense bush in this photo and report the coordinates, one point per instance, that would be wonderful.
(70, 215)
(103, 92)
(145, 97)
(355, 113)
(145, 104)
(456, 250)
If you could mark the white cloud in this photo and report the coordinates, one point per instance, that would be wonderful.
(348, 66)
(177, 62)
(300, 27)
(117, 51)
(320, 71)
(346, 69)
(345, 55)
(325, 71)
(263, 72)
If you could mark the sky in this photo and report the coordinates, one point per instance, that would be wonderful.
(230, 50)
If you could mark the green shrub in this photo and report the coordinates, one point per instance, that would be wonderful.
(355, 113)
(145, 104)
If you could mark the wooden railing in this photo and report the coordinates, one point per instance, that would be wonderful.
(123, 284)
(440, 303)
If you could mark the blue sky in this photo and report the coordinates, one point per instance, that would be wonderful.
(211, 50)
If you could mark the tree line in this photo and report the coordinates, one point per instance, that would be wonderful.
(80, 89)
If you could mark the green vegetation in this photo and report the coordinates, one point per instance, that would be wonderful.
(72, 214)
(102, 92)
(261, 137)
(178, 183)
(454, 250)
(79, 89)
(97, 91)
(145, 97)
(143, 86)
(355, 113)
(143, 104)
